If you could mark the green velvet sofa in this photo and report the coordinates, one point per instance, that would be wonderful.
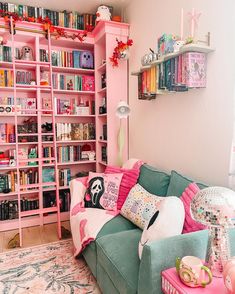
(113, 256)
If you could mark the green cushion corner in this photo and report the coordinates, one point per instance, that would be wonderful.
(154, 181)
(178, 183)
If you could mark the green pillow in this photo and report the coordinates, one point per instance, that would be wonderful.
(178, 183)
(154, 181)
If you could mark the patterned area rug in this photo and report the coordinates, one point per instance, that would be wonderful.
(49, 268)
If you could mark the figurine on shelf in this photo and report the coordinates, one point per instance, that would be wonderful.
(44, 81)
(12, 161)
(32, 154)
(47, 127)
(70, 85)
(178, 44)
(27, 53)
(86, 60)
(103, 13)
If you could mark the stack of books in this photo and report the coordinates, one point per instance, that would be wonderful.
(28, 177)
(69, 153)
(6, 53)
(64, 19)
(75, 131)
(64, 177)
(7, 133)
(73, 82)
(49, 200)
(6, 78)
(24, 77)
(8, 181)
(47, 152)
(29, 204)
(8, 209)
(66, 58)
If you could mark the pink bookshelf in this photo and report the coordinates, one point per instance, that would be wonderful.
(101, 42)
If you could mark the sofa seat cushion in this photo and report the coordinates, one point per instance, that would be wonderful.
(116, 224)
(154, 181)
(118, 255)
(179, 183)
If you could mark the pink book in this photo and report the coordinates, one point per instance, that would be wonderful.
(88, 83)
(171, 284)
(179, 72)
(3, 135)
(195, 69)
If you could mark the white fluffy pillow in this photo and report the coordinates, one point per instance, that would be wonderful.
(167, 221)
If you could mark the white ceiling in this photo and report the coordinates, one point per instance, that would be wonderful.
(82, 6)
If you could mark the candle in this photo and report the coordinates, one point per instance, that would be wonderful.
(192, 22)
(182, 25)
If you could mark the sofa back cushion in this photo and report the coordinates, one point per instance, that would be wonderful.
(178, 183)
(140, 205)
(154, 181)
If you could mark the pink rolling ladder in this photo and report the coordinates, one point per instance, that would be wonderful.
(23, 190)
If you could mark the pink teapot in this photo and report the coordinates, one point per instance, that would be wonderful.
(229, 275)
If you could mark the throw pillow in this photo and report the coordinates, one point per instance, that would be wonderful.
(102, 190)
(190, 225)
(154, 181)
(167, 221)
(140, 206)
(178, 183)
(129, 179)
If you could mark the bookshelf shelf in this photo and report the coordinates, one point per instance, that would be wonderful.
(8, 168)
(72, 70)
(102, 91)
(102, 67)
(31, 221)
(103, 163)
(63, 187)
(171, 69)
(102, 115)
(8, 144)
(76, 141)
(8, 194)
(74, 115)
(6, 64)
(77, 162)
(6, 89)
(103, 141)
(72, 92)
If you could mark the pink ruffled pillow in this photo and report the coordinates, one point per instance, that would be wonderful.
(190, 225)
(129, 179)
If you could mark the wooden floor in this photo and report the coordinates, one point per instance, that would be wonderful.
(32, 236)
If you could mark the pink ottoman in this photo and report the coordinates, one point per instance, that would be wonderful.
(171, 284)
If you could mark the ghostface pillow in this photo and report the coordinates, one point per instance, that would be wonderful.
(167, 221)
(102, 190)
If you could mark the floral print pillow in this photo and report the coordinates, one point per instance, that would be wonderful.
(140, 206)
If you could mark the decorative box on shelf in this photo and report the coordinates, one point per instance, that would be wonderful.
(171, 284)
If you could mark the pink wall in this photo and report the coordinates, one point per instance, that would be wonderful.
(189, 132)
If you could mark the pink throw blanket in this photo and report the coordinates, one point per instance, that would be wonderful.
(85, 222)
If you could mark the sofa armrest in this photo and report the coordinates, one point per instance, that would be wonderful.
(161, 254)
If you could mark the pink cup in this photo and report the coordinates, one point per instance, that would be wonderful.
(192, 272)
